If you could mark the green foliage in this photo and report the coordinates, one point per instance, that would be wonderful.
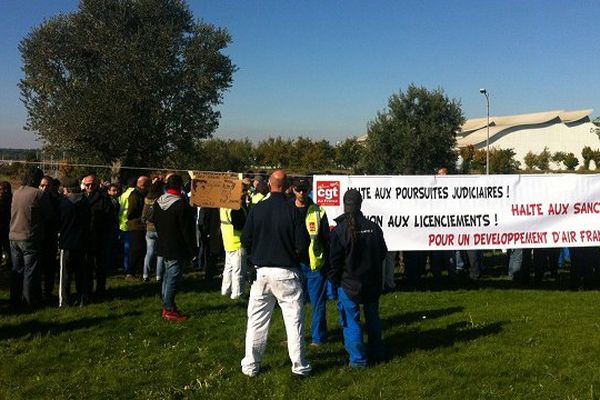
(348, 153)
(416, 134)
(502, 161)
(587, 154)
(570, 161)
(559, 156)
(129, 80)
(530, 160)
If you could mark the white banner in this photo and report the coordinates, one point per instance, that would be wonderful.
(473, 211)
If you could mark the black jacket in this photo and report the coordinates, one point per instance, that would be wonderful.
(357, 267)
(75, 216)
(102, 216)
(134, 211)
(274, 234)
(174, 223)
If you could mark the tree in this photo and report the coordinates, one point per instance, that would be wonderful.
(347, 154)
(543, 160)
(502, 161)
(530, 160)
(587, 154)
(415, 135)
(129, 80)
(570, 161)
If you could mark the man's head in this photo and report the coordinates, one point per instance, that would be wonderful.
(301, 188)
(113, 190)
(89, 183)
(45, 183)
(5, 188)
(352, 201)
(70, 186)
(277, 181)
(175, 182)
(32, 177)
(143, 183)
(442, 171)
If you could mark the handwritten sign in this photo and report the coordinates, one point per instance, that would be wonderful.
(216, 189)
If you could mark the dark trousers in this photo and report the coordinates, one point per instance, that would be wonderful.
(414, 266)
(49, 264)
(583, 261)
(442, 260)
(25, 280)
(99, 261)
(72, 265)
(545, 259)
(137, 252)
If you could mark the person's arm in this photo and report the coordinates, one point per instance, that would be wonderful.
(133, 205)
(247, 231)
(186, 222)
(336, 259)
(301, 238)
(238, 219)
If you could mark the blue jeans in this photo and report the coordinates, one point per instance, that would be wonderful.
(26, 283)
(314, 285)
(125, 239)
(353, 334)
(173, 272)
(515, 262)
(151, 241)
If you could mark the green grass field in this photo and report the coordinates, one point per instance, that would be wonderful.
(490, 341)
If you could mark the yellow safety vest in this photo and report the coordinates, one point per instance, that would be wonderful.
(231, 237)
(256, 197)
(124, 203)
(316, 250)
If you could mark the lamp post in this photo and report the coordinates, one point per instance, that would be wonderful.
(487, 142)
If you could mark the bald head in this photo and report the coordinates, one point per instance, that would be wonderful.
(142, 183)
(277, 180)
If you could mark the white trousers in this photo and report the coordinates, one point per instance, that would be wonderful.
(275, 285)
(233, 280)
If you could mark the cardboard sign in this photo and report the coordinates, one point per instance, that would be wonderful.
(216, 189)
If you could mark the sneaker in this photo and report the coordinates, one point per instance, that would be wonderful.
(173, 315)
(164, 312)
(146, 279)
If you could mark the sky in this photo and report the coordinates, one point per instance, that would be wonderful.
(323, 69)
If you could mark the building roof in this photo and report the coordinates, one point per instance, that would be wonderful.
(474, 131)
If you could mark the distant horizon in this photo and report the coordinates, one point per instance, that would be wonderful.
(324, 70)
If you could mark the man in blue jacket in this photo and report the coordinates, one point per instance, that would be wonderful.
(274, 236)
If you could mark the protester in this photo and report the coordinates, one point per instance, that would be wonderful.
(30, 212)
(173, 219)
(156, 190)
(136, 228)
(124, 231)
(5, 201)
(116, 250)
(74, 240)
(274, 236)
(48, 260)
(314, 261)
(545, 259)
(232, 223)
(357, 251)
(101, 231)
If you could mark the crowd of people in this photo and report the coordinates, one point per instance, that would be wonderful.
(278, 240)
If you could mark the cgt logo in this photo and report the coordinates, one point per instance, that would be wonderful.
(328, 193)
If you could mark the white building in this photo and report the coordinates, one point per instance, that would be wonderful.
(567, 131)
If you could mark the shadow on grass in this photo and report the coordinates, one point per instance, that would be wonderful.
(404, 342)
(35, 327)
(138, 289)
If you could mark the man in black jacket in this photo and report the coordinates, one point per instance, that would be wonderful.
(136, 228)
(100, 235)
(357, 251)
(274, 236)
(176, 242)
(74, 228)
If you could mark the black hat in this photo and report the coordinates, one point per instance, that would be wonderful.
(301, 184)
(352, 201)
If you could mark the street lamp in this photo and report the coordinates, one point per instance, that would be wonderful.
(487, 142)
